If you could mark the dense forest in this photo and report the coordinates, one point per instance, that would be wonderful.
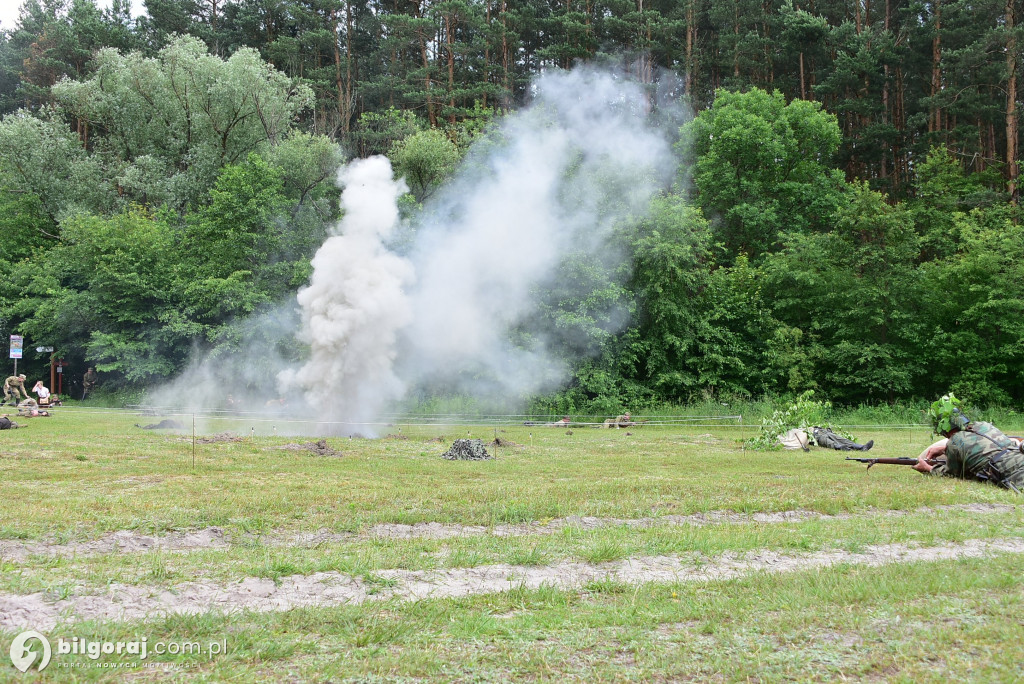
(845, 217)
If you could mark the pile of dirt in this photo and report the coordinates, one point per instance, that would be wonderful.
(499, 442)
(467, 450)
(317, 448)
(439, 439)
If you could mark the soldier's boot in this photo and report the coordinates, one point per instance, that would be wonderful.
(867, 446)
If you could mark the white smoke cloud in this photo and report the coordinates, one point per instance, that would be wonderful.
(355, 303)
(544, 189)
(575, 164)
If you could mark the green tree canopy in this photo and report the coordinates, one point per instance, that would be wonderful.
(761, 166)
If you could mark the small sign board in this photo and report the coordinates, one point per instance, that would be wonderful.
(17, 342)
(42, 350)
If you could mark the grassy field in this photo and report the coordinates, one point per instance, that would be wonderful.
(778, 550)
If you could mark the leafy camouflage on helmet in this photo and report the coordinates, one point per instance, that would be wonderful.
(946, 415)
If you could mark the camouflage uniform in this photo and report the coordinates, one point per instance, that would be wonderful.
(14, 385)
(89, 381)
(970, 452)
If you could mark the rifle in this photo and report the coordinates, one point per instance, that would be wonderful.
(893, 461)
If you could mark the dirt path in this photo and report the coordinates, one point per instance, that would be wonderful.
(123, 602)
(129, 541)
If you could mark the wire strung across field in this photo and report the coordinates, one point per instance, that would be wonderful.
(455, 419)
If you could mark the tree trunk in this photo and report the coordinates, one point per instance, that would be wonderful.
(504, 48)
(487, 54)
(1012, 131)
(736, 33)
(427, 84)
(935, 120)
(449, 42)
(689, 81)
(803, 78)
(337, 69)
(351, 65)
(899, 121)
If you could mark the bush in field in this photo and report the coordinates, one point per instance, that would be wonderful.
(805, 413)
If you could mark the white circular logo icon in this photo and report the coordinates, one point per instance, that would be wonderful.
(23, 655)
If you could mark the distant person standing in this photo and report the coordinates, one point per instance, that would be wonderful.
(13, 386)
(89, 381)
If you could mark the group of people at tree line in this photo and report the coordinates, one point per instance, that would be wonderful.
(17, 395)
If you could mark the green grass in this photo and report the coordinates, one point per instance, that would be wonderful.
(79, 475)
(930, 622)
(142, 480)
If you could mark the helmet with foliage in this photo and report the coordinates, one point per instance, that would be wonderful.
(946, 415)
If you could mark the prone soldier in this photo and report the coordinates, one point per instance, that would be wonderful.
(974, 450)
(621, 421)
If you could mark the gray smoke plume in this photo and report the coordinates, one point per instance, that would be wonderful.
(561, 176)
(497, 262)
(355, 303)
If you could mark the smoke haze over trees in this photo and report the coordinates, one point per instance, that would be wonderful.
(843, 214)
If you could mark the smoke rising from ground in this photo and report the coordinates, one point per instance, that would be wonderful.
(564, 173)
(494, 256)
(355, 303)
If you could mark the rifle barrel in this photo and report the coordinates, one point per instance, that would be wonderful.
(903, 460)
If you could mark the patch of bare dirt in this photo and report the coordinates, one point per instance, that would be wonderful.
(499, 442)
(845, 639)
(394, 436)
(214, 439)
(125, 602)
(317, 448)
(122, 541)
(432, 530)
(213, 537)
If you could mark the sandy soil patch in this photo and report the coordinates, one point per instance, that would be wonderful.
(433, 530)
(127, 541)
(317, 448)
(122, 541)
(124, 602)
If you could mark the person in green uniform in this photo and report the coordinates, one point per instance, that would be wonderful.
(89, 381)
(13, 386)
(973, 450)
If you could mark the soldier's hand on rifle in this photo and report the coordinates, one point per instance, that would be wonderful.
(923, 466)
(932, 452)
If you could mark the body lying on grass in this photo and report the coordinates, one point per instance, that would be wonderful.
(797, 438)
(7, 424)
